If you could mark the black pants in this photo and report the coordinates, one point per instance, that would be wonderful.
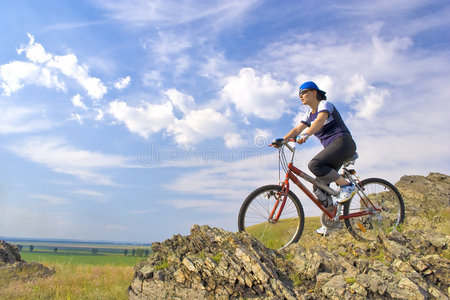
(328, 161)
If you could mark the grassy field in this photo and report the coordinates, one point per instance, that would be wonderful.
(81, 275)
(278, 233)
(49, 258)
(78, 273)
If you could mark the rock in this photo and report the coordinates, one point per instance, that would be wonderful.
(335, 288)
(425, 194)
(26, 271)
(9, 253)
(234, 265)
(393, 249)
(12, 267)
(211, 263)
(411, 263)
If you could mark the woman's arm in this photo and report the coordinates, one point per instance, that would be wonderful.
(315, 126)
(318, 123)
(295, 131)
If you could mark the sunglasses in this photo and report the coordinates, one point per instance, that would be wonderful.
(302, 92)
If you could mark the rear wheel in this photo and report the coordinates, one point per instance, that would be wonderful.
(385, 203)
(255, 212)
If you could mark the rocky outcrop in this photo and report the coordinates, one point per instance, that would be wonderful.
(9, 253)
(392, 268)
(12, 267)
(211, 263)
(425, 194)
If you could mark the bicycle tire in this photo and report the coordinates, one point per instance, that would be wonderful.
(254, 217)
(383, 195)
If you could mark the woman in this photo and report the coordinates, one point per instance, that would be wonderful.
(324, 121)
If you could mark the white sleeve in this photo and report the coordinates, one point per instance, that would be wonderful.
(306, 119)
(325, 106)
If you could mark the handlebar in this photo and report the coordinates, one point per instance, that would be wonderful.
(280, 142)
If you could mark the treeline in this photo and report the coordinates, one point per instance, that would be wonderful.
(95, 251)
(136, 252)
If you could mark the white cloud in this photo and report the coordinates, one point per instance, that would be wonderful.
(179, 100)
(76, 101)
(100, 114)
(61, 157)
(214, 66)
(198, 125)
(145, 119)
(182, 64)
(253, 168)
(367, 100)
(261, 96)
(152, 78)
(358, 85)
(170, 49)
(49, 199)
(374, 58)
(15, 75)
(187, 129)
(371, 103)
(16, 119)
(69, 66)
(115, 227)
(203, 205)
(44, 70)
(262, 137)
(122, 83)
(35, 52)
(376, 81)
(167, 44)
(76, 117)
(170, 13)
(89, 193)
(233, 140)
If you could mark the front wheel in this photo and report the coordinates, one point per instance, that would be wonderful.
(255, 212)
(384, 204)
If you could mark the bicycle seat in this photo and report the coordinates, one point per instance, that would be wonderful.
(351, 160)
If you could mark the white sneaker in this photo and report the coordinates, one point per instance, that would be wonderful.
(347, 192)
(322, 231)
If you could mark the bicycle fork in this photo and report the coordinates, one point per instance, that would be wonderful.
(280, 198)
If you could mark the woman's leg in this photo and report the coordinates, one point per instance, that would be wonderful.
(328, 161)
(326, 164)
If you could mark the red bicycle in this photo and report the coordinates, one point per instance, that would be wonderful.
(274, 215)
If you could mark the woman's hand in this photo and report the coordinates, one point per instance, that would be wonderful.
(277, 143)
(302, 138)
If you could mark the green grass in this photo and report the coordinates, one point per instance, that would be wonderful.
(350, 280)
(77, 259)
(78, 275)
(217, 257)
(71, 281)
(275, 235)
(163, 265)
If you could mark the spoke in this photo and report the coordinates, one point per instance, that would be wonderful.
(386, 207)
(272, 234)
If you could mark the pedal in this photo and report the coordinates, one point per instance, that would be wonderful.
(330, 224)
(361, 227)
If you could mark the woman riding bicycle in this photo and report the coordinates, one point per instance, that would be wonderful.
(324, 121)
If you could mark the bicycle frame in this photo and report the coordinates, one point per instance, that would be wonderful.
(291, 173)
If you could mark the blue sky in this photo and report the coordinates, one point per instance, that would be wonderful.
(134, 120)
